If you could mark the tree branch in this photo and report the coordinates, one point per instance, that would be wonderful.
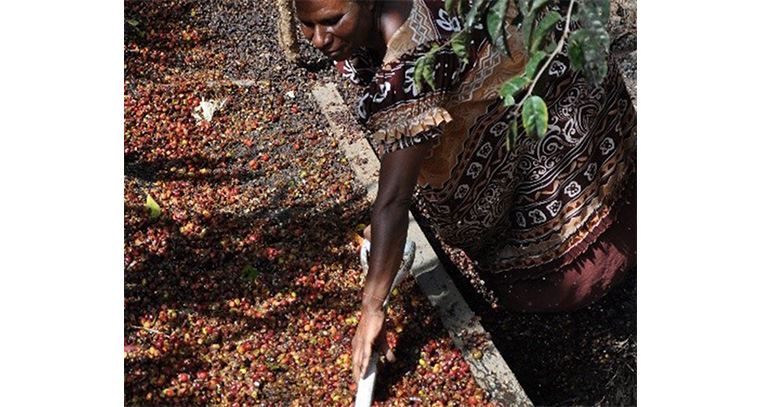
(149, 330)
(554, 53)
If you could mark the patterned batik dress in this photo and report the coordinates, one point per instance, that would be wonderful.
(522, 213)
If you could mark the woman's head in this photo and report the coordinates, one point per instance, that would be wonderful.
(338, 27)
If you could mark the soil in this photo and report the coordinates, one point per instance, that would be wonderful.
(584, 358)
(244, 290)
(623, 35)
(242, 287)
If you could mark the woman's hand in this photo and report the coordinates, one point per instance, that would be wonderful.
(371, 334)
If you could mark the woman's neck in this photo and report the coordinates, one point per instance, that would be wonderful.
(392, 15)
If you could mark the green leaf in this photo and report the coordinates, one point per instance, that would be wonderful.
(535, 117)
(428, 73)
(424, 67)
(523, 5)
(511, 87)
(550, 48)
(153, 207)
(512, 133)
(461, 45)
(576, 50)
(250, 273)
(428, 66)
(588, 52)
(463, 7)
(589, 47)
(537, 5)
(534, 62)
(417, 75)
(475, 13)
(451, 7)
(542, 28)
(131, 22)
(592, 12)
(495, 24)
(527, 27)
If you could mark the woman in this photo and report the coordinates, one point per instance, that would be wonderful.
(550, 224)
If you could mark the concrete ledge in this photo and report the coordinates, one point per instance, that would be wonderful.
(486, 363)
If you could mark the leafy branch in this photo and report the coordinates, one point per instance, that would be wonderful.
(588, 47)
(540, 55)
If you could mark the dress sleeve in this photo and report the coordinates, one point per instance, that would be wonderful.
(400, 115)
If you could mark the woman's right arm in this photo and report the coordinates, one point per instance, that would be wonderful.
(396, 183)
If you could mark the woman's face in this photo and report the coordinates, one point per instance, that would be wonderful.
(336, 27)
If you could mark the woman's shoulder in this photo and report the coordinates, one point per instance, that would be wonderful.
(394, 14)
(427, 23)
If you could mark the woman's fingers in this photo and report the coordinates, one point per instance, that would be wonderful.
(386, 351)
(361, 360)
(363, 364)
(354, 366)
(360, 356)
(365, 359)
(357, 355)
(371, 333)
(354, 356)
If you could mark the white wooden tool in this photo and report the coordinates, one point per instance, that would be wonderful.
(366, 384)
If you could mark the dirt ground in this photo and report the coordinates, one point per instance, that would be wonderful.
(623, 34)
(242, 284)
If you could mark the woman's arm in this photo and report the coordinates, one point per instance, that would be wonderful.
(396, 183)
